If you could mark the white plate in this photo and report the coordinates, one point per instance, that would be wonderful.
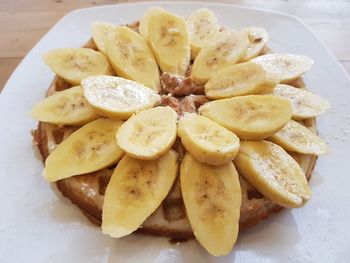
(38, 225)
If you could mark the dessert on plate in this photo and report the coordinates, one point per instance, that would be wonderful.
(179, 127)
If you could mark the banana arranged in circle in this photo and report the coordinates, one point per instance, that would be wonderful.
(116, 97)
(252, 117)
(257, 37)
(91, 148)
(304, 103)
(76, 64)
(135, 191)
(100, 32)
(239, 79)
(203, 28)
(168, 37)
(68, 107)
(131, 57)
(206, 140)
(273, 172)
(295, 137)
(148, 134)
(284, 67)
(212, 197)
(247, 119)
(228, 50)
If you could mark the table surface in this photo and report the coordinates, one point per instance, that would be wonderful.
(24, 22)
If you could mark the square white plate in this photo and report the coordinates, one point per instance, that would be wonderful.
(38, 225)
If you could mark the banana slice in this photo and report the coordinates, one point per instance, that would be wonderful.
(148, 134)
(143, 26)
(68, 107)
(284, 67)
(169, 40)
(203, 28)
(131, 57)
(207, 141)
(212, 197)
(116, 97)
(257, 37)
(272, 171)
(76, 64)
(252, 117)
(100, 33)
(240, 79)
(228, 50)
(295, 137)
(135, 191)
(91, 148)
(304, 103)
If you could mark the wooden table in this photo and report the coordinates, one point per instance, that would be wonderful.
(24, 22)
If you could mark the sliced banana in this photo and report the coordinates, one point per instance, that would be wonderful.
(91, 148)
(284, 67)
(76, 64)
(257, 37)
(100, 33)
(304, 161)
(228, 50)
(252, 117)
(272, 171)
(131, 57)
(295, 137)
(143, 26)
(304, 103)
(116, 97)
(212, 197)
(169, 40)
(203, 28)
(135, 191)
(148, 134)
(68, 107)
(239, 79)
(206, 140)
